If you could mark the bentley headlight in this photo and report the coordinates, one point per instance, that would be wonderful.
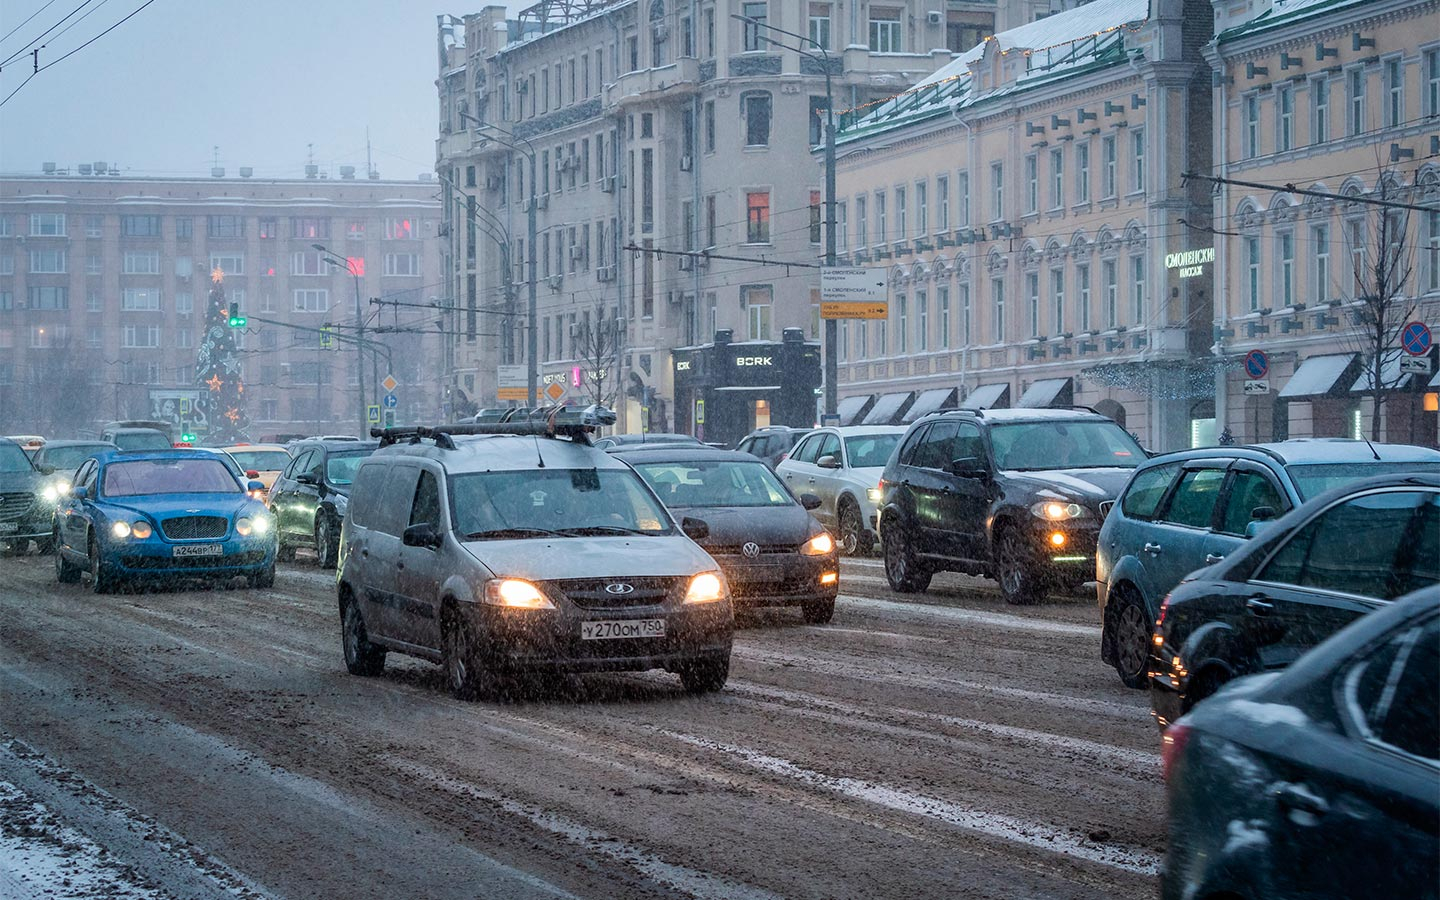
(120, 529)
(141, 529)
(1058, 510)
(244, 526)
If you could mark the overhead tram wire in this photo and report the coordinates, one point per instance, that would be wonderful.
(37, 12)
(41, 36)
(66, 56)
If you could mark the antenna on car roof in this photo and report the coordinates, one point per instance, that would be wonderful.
(1373, 452)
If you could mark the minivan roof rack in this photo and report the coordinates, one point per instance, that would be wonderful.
(555, 421)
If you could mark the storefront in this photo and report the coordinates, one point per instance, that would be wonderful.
(724, 390)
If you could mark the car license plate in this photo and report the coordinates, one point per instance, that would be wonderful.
(9, 527)
(625, 628)
(198, 550)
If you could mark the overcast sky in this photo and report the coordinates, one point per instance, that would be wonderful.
(260, 79)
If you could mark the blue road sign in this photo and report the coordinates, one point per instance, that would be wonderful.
(1257, 364)
(390, 401)
(372, 414)
(1415, 338)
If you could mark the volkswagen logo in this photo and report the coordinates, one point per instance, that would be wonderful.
(750, 549)
(619, 588)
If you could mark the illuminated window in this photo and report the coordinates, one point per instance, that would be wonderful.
(757, 217)
(400, 229)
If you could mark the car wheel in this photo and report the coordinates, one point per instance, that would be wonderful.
(818, 612)
(265, 579)
(102, 580)
(1015, 569)
(66, 572)
(901, 569)
(361, 656)
(1202, 685)
(465, 677)
(854, 539)
(327, 542)
(705, 676)
(1130, 637)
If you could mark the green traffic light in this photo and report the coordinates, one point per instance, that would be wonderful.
(187, 438)
(237, 321)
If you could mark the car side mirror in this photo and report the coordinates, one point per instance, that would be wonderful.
(47, 470)
(255, 486)
(252, 473)
(809, 501)
(79, 493)
(307, 478)
(968, 467)
(1262, 513)
(695, 529)
(828, 461)
(421, 535)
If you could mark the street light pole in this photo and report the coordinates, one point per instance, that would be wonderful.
(832, 326)
(335, 259)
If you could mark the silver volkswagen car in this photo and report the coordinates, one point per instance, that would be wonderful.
(505, 549)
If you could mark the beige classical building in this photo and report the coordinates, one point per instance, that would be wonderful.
(1339, 99)
(674, 128)
(1023, 201)
(104, 280)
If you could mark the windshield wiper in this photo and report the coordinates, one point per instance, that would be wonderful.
(603, 529)
(500, 534)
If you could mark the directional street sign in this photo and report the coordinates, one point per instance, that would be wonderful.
(1257, 364)
(389, 383)
(853, 293)
(1415, 338)
(390, 401)
(372, 414)
(513, 383)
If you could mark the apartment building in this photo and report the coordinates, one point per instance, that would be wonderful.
(104, 279)
(666, 146)
(1340, 100)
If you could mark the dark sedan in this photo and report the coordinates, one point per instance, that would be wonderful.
(1322, 781)
(772, 551)
(25, 513)
(1345, 553)
(310, 497)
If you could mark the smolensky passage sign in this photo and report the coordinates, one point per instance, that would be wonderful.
(1190, 262)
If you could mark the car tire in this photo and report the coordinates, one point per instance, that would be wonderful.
(1202, 685)
(901, 568)
(1015, 570)
(102, 580)
(705, 676)
(466, 679)
(327, 541)
(361, 656)
(818, 612)
(66, 572)
(855, 539)
(1130, 641)
(265, 580)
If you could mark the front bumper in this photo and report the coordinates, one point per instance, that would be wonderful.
(780, 579)
(239, 556)
(25, 516)
(1073, 559)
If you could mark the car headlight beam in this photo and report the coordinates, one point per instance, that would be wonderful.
(515, 593)
(243, 526)
(120, 529)
(1058, 510)
(141, 529)
(705, 588)
(819, 545)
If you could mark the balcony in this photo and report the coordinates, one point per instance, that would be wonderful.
(680, 78)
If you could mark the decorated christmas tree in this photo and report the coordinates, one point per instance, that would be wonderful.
(217, 369)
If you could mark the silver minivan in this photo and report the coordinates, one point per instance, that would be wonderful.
(498, 555)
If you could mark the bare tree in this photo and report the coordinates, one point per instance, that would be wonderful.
(1382, 262)
(62, 371)
(598, 344)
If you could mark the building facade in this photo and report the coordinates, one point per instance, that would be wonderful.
(104, 281)
(1024, 202)
(1340, 100)
(666, 146)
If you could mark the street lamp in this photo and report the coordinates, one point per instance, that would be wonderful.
(832, 326)
(532, 338)
(335, 259)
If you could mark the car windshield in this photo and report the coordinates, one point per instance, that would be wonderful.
(870, 451)
(1313, 479)
(555, 502)
(683, 485)
(340, 467)
(13, 459)
(1029, 446)
(142, 440)
(262, 460)
(69, 458)
(135, 478)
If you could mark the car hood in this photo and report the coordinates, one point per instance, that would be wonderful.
(732, 526)
(547, 559)
(1094, 485)
(168, 505)
(11, 482)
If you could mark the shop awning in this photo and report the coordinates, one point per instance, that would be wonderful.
(852, 409)
(1391, 378)
(988, 396)
(931, 401)
(1049, 392)
(1435, 382)
(889, 408)
(1322, 376)
(749, 387)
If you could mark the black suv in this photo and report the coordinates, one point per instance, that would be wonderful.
(309, 498)
(772, 442)
(1017, 495)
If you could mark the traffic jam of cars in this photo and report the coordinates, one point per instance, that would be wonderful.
(1280, 602)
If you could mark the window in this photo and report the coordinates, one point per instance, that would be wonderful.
(753, 37)
(47, 262)
(936, 449)
(942, 209)
(1252, 273)
(1252, 126)
(842, 226)
(1082, 173)
(755, 109)
(184, 267)
(709, 126)
(1057, 301)
(1057, 178)
(1285, 274)
(400, 229)
(757, 302)
(1394, 92)
(269, 226)
(1320, 247)
(1082, 289)
(816, 218)
(309, 228)
(966, 319)
(1137, 148)
(901, 214)
(7, 264)
(142, 263)
(1193, 503)
(225, 226)
(1247, 492)
(140, 336)
(1107, 162)
(1032, 295)
(308, 262)
(1032, 183)
(137, 226)
(1110, 286)
(881, 226)
(942, 303)
(1142, 499)
(757, 217)
(820, 25)
(1385, 688)
(45, 297)
(997, 293)
(1285, 118)
(1319, 110)
(47, 224)
(1137, 288)
(184, 304)
(884, 30)
(1430, 251)
(5, 227)
(922, 209)
(962, 198)
(140, 300)
(862, 231)
(922, 321)
(184, 228)
(402, 264)
(997, 192)
(1355, 101)
(355, 230)
(94, 227)
(312, 300)
(1432, 83)
(902, 321)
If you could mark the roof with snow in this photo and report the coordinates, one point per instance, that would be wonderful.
(1086, 37)
(1283, 12)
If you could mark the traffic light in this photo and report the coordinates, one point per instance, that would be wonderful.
(187, 438)
(236, 320)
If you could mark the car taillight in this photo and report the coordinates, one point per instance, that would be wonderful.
(1172, 745)
(1164, 608)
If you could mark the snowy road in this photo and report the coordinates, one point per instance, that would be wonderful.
(210, 744)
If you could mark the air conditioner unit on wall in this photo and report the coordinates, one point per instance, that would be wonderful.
(605, 273)
(687, 263)
(577, 252)
(934, 17)
(556, 281)
(607, 184)
(685, 163)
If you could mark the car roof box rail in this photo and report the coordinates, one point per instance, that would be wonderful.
(555, 421)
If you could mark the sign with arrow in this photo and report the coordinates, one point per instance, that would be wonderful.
(390, 401)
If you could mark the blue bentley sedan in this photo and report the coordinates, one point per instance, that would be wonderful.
(146, 514)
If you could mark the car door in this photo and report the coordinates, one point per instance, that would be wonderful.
(964, 502)
(307, 491)
(825, 482)
(381, 553)
(929, 482)
(282, 498)
(1248, 487)
(1349, 558)
(71, 517)
(1176, 542)
(419, 573)
(800, 465)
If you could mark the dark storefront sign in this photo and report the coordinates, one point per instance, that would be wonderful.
(724, 390)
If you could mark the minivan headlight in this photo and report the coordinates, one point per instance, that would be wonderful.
(1058, 510)
(515, 593)
(705, 588)
(819, 545)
